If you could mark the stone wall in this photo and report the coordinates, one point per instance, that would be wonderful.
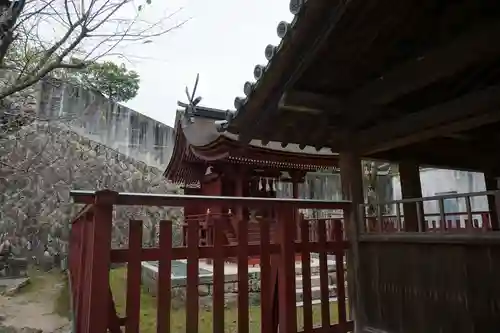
(42, 161)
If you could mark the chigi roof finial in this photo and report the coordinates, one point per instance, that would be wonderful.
(190, 107)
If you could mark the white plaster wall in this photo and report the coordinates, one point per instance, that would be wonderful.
(112, 124)
(439, 181)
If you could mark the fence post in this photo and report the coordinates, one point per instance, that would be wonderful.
(286, 272)
(100, 261)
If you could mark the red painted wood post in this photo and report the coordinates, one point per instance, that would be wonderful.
(76, 266)
(486, 222)
(323, 276)
(100, 261)
(164, 278)
(339, 271)
(266, 307)
(133, 303)
(192, 305)
(86, 285)
(306, 276)
(113, 319)
(218, 278)
(243, 276)
(286, 271)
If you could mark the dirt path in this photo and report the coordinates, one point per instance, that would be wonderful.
(34, 307)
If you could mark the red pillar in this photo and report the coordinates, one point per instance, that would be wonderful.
(100, 261)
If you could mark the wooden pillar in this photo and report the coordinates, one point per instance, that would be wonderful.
(409, 174)
(352, 190)
(286, 272)
(100, 262)
(239, 178)
(295, 195)
(491, 183)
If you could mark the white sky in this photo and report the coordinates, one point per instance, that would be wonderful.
(223, 41)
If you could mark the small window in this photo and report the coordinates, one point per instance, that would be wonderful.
(142, 132)
(158, 135)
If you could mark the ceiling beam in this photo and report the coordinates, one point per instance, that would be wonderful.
(448, 156)
(467, 112)
(468, 49)
(310, 102)
(476, 46)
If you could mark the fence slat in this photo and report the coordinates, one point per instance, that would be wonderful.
(286, 285)
(218, 278)
(192, 305)
(306, 276)
(133, 303)
(339, 271)
(114, 320)
(323, 276)
(86, 281)
(99, 261)
(266, 309)
(243, 276)
(230, 251)
(164, 278)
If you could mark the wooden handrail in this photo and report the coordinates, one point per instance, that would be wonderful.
(437, 197)
(174, 200)
(438, 238)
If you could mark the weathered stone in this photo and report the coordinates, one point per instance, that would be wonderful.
(10, 329)
(39, 166)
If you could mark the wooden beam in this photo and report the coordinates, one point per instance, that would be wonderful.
(447, 156)
(317, 20)
(351, 175)
(302, 101)
(332, 109)
(411, 187)
(471, 48)
(491, 183)
(467, 112)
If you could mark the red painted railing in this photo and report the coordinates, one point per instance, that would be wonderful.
(91, 257)
(456, 222)
(469, 220)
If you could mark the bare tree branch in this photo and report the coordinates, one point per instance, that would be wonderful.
(49, 34)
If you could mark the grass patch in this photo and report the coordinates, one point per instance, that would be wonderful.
(42, 284)
(62, 305)
(38, 280)
(118, 281)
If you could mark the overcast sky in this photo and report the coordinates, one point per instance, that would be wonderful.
(223, 41)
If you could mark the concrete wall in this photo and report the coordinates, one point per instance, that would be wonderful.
(93, 116)
(439, 181)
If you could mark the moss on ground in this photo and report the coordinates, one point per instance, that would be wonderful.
(62, 302)
(40, 282)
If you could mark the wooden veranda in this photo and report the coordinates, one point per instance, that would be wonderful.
(413, 83)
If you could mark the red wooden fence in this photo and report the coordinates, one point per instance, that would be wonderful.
(91, 257)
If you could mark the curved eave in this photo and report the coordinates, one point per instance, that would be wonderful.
(231, 150)
(177, 171)
(290, 59)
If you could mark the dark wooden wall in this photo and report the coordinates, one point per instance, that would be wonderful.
(431, 283)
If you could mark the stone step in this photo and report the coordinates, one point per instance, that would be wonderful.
(316, 293)
(315, 280)
(316, 301)
(315, 269)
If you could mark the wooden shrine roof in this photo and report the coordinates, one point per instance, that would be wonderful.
(396, 79)
(198, 143)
